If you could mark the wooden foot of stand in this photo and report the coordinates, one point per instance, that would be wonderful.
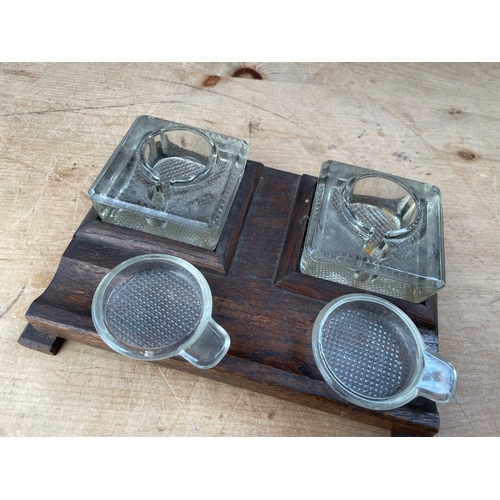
(259, 296)
(39, 341)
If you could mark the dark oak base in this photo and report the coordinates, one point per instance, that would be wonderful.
(260, 297)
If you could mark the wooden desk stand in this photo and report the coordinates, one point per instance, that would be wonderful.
(260, 297)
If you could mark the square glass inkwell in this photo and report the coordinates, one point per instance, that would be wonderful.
(376, 232)
(171, 180)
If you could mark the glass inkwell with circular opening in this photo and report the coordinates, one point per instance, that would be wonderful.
(377, 232)
(171, 180)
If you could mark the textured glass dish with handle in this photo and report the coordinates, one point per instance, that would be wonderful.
(171, 180)
(157, 306)
(377, 232)
(371, 353)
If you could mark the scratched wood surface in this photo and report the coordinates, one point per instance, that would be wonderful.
(59, 123)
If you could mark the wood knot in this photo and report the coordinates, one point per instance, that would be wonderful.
(247, 73)
(467, 155)
(211, 80)
(455, 112)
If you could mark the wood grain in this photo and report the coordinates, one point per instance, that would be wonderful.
(59, 123)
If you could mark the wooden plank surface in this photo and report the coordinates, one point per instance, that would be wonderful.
(59, 123)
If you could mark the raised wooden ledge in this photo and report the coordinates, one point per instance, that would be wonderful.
(262, 300)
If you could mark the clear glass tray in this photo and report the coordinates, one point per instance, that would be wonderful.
(171, 180)
(376, 232)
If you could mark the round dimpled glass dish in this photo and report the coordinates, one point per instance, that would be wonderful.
(372, 354)
(158, 306)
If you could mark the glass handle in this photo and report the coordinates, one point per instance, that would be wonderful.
(210, 348)
(439, 379)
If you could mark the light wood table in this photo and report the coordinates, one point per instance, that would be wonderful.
(59, 123)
